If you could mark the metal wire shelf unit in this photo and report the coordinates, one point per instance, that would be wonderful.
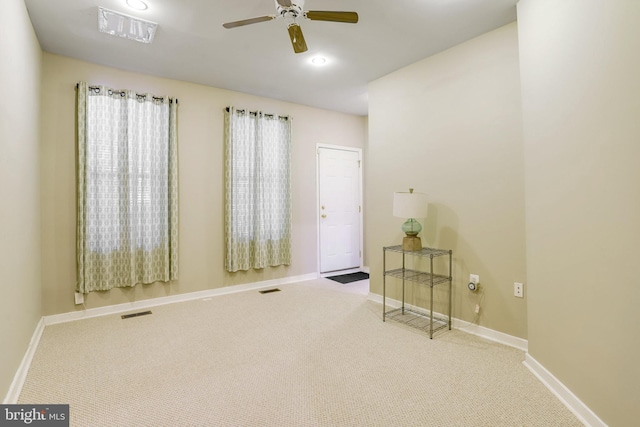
(422, 277)
(424, 252)
(428, 278)
(417, 319)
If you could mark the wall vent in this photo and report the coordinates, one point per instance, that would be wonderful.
(141, 313)
(268, 291)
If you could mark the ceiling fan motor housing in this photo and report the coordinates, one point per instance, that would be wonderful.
(288, 9)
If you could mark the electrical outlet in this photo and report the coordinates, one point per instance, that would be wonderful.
(79, 298)
(474, 278)
(518, 290)
(477, 310)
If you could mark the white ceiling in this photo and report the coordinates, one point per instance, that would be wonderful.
(192, 45)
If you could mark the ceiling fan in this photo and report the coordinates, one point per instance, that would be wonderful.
(290, 10)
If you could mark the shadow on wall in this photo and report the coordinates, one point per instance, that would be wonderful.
(441, 231)
(437, 236)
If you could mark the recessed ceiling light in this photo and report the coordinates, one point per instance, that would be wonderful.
(318, 60)
(137, 4)
(121, 25)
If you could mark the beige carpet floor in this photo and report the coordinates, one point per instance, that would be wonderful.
(315, 354)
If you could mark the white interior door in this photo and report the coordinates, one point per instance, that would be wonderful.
(339, 204)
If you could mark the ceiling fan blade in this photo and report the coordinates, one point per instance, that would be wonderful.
(325, 15)
(248, 21)
(284, 3)
(297, 39)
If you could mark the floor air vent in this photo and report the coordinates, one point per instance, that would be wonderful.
(129, 316)
(268, 291)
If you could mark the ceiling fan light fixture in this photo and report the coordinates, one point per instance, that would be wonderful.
(137, 4)
(318, 60)
(121, 25)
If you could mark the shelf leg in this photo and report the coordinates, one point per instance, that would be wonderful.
(450, 286)
(431, 298)
(384, 283)
(403, 270)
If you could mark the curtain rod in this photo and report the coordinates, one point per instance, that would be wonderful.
(122, 93)
(256, 112)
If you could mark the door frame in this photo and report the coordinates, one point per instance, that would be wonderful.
(361, 213)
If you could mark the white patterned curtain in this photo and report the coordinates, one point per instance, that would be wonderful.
(257, 190)
(127, 189)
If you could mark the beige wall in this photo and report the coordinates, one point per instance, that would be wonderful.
(20, 304)
(200, 120)
(580, 62)
(450, 126)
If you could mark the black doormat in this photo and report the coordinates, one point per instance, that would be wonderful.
(351, 277)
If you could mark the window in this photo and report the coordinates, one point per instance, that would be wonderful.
(257, 190)
(127, 188)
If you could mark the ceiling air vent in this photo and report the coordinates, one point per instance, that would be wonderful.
(121, 25)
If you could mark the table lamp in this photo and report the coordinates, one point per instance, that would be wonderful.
(410, 205)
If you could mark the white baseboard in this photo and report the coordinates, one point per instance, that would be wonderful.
(21, 374)
(575, 405)
(491, 334)
(481, 331)
(154, 302)
(570, 400)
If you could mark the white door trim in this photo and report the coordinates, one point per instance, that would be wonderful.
(360, 192)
